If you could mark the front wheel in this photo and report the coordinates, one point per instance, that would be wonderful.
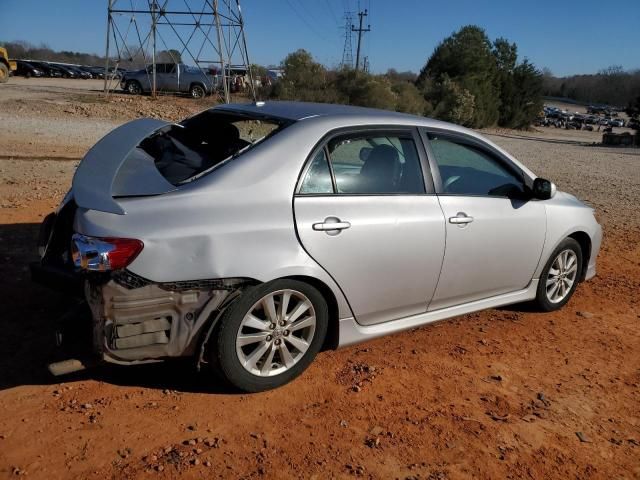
(197, 91)
(133, 87)
(560, 276)
(4, 73)
(270, 334)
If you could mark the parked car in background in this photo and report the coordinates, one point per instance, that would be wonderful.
(616, 122)
(67, 71)
(252, 236)
(170, 77)
(28, 70)
(75, 70)
(49, 70)
(96, 72)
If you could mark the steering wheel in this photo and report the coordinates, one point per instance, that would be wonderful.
(449, 181)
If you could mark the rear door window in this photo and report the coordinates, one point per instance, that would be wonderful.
(318, 176)
(366, 163)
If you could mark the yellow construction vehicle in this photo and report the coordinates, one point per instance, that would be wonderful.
(6, 65)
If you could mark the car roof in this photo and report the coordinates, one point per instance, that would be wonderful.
(337, 116)
(296, 111)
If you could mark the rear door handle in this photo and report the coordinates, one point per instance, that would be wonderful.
(331, 225)
(461, 218)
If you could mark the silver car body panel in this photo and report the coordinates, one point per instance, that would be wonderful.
(567, 215)
(238, 221)
(470, 270)
(352, 332)
(388, 261)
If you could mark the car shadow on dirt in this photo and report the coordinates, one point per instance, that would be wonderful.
(32, 317)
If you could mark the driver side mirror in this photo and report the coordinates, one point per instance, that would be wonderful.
(543, 189)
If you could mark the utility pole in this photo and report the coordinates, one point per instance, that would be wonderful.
(360, 31)
(106, 56)
(154, 23)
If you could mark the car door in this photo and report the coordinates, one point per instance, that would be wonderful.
(170, 78)
(368, 215)
(495, 232)
(162, 82)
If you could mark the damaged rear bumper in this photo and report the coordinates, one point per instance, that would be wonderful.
(135, 320)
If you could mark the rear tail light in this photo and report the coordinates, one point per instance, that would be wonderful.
(103, 254)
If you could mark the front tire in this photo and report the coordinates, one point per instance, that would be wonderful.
(4, 73)
(560, 276)
(197, 91)
(270, 334)
(133, 87)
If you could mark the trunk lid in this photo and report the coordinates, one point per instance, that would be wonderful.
(116, 167)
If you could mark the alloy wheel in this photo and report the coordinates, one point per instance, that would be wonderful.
(133, 88)
(562, 276)
(276, 333)
(197, 91)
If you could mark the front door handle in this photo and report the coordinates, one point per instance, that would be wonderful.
(461, 219)
(331, 225)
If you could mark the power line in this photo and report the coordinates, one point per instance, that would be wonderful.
(304, 20)
(335, 18)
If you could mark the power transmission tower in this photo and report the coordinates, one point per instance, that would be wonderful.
(347, 51)
(209, 34)
(360, 31)
(365, 64)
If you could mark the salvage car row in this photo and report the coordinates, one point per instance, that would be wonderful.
(554, 116)
(35, 68)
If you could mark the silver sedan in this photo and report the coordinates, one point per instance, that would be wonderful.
(250, 237)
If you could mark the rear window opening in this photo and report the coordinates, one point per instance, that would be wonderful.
(185, 151)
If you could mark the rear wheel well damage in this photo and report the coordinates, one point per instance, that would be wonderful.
(584, 241)
(333, 331)
(331, 340)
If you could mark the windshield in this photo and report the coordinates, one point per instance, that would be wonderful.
(185, 151)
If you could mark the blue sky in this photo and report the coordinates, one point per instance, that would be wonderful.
(567, 36)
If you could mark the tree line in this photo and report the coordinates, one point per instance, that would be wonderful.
(467, 79)
(24, 50)
(610, 86)
(134, 57)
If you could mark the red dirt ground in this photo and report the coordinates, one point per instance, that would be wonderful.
(498, 394)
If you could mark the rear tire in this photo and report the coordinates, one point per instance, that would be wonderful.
(262, 345)
(4, 73)
(560, 276)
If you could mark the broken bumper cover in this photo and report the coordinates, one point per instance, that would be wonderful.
(137, 320)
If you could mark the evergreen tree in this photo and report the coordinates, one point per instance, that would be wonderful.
(466, 57)
(520, 85)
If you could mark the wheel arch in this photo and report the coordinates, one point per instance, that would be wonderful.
(198, 83)
(128, 81)
(584, 240)
(333, 331)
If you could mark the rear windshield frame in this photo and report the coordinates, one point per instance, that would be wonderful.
(159, 144)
